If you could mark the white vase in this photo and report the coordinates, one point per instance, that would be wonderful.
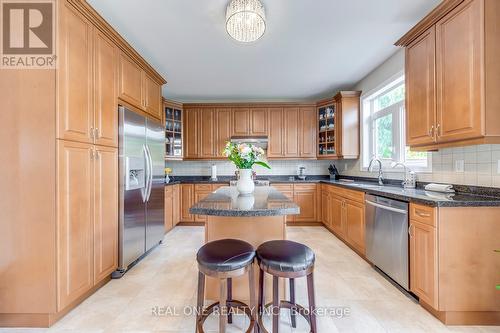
(245, 185)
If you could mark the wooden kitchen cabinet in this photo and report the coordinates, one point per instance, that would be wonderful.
(325, 206)
(130, 81)
(138, 88)
(420, 89)
(423, 262)
(291, 132)
(452, 94)
(459, 60)
(191, 133)
(152, 96)
(75, 239)
(304, 195)
(75, 107)
(223, 130)
(307, 132)
(201, 191)
(336, 213)
(275, 145)
(169, 207)
(187, 200)
(241, 121)
(105, 209)
(355, 224)
(105, 91)
(287, 190)
(176, 204)
(423, 253)
(258, 122)
(207, 133)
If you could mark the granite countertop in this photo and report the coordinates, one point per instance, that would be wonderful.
(226, 201)
(466, 196)
(419, 195)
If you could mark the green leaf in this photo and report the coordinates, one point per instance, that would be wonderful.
(264, 164)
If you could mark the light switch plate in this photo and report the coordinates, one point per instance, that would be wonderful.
(459, 165)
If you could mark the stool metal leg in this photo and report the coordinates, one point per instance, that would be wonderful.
(312, 305)
(201, 297)
(292, 300)
(260, 309)
(276, 304)
(222, 307)
(251, 283)
(229, 298)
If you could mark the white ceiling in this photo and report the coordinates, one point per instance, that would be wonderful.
(310, 48)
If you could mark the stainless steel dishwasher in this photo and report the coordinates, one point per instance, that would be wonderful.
(387, 237)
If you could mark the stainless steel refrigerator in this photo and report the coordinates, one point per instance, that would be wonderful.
(141, 153)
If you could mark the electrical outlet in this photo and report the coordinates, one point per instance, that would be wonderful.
(498, 166)
(459, 165)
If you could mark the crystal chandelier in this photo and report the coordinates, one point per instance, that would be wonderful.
(245, 20)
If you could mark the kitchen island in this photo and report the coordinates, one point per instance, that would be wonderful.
(256, 218)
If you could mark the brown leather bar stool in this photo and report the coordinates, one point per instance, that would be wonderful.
(290, 260)
(224, 260)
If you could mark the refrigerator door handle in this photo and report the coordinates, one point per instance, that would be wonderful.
(145, 190)
(150, 172)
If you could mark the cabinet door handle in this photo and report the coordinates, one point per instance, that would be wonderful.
(438, 129)
(409, 231)
(92, 133)
(91, 153)
(431, 131)
(97, 135)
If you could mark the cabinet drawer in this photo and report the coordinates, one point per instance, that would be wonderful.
(349, 194)
(423, 214)
(203, 187)
(305, 187)
(283, 187)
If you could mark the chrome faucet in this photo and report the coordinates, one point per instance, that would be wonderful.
(380, 174)
(409, 177)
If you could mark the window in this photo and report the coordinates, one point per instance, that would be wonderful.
(384, 128)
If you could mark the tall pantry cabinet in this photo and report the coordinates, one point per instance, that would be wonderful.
(61, 243)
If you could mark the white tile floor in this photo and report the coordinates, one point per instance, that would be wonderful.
(167, 277)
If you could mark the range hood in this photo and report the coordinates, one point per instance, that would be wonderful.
(258, 141)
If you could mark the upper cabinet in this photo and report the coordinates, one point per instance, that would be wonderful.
(338, 126)
(453, 76)
(208, 127)
(172, 118)
(249, 121)
(139, 88)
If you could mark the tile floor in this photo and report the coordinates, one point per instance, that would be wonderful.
(167, 277)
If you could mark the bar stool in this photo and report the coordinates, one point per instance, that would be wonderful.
(225, 259)
(290, 260)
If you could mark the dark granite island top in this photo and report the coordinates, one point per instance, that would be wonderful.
(226, 201)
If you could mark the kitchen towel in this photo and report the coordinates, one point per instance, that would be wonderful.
(445, 188)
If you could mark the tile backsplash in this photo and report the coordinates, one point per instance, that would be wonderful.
(481, 167)
(226, 168)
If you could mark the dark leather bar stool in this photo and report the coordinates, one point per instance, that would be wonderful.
(225, 259)
(290, 260)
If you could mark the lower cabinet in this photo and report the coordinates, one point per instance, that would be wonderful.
(305, 196)
(355, 224)
(169, 208)
(187, 200)
(87, 217)
(423, 258)
(201, 191)
(344, 213)
(176, 204)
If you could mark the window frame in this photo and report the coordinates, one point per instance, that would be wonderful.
(369, 116)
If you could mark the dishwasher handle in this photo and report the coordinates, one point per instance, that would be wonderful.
(400, 211)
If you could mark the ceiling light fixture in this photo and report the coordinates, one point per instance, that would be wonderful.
(245, 20)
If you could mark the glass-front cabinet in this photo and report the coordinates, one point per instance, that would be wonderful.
(327, 120)
(173, 129)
